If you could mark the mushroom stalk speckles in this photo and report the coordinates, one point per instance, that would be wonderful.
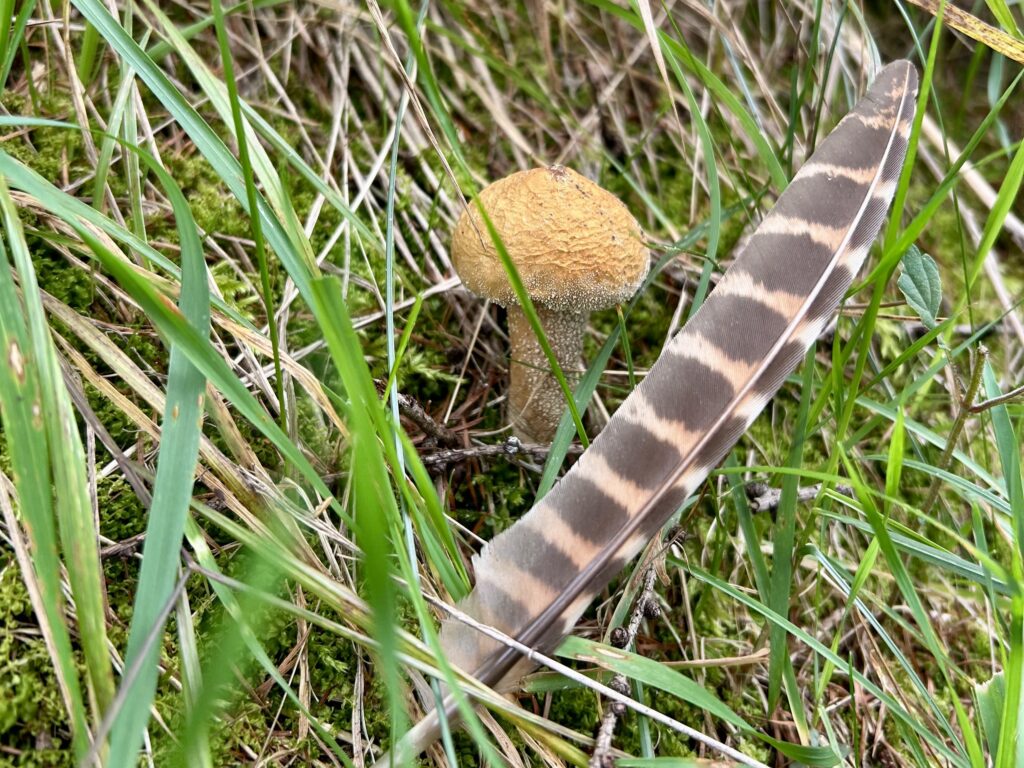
(535, 400)
(576, 248)
(535, 580)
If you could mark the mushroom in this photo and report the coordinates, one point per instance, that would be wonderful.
(577, 249)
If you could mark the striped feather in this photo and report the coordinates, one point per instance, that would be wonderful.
(535, 580)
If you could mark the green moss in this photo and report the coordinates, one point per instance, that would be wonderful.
(319, 438)
(123, 514)
(577, 705)
(118, 425)
(238, 293)
(66, 283)
(50, 152)
(215, 210)
(504, 483)
(33, 721)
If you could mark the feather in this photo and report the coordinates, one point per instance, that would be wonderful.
(534, 581)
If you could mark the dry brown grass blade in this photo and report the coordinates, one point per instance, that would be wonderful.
(975, 28)
(421, 116)
(233, 479)
(301, 374)
(983, 190)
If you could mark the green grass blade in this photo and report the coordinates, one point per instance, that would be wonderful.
(26, 436)
(723, 95)
(12, 36)
(206, 140)
(179, 450)
(782, 550)
(197, 752)
(200, 352)
(75, 212)
(73, 506)
(906, 586)
(375, 510)
(707, 147)
(235, 610)
(242, 142)
(1005, 200)
(652, 673)
(896, 708)
(1011, 728)
(1009, 750)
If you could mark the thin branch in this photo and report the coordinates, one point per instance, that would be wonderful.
(984, 405)
(646, 606)
(511, 448)
(417, 414)
(978, 365)
(765, 498)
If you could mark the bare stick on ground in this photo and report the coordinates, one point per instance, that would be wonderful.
(646, 607)
(764, 498)
(511, 448)
(417, 414)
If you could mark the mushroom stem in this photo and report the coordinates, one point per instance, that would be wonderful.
(536, 401)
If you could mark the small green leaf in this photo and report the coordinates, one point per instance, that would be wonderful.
(991, 697)
(921, 285)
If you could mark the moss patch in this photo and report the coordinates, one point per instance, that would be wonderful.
(33, 721)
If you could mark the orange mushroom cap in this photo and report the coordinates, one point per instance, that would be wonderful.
(575, 245)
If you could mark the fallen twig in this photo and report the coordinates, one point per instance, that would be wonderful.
(417, 414)
(1008, 397)
(510, 448)
(765, 498)
(646, 606)
(971, 391)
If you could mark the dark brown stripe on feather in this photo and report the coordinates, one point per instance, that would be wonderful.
(720, 443)
(784, 262)
(588, 509)
(544, 558)
(867, 229)
(743, 326)
(506, 608)
(824, 305)
(860, 146)
(891, 170)
(833, 202)
(648, 458)
(705, 394)
(780, 367)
